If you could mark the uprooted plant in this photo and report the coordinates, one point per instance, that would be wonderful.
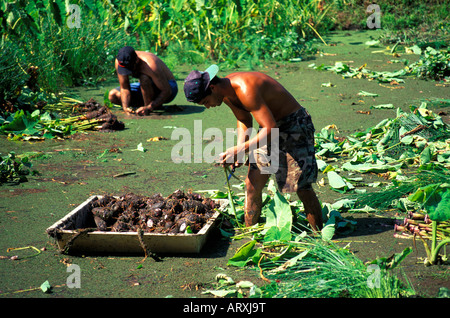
(38, 125)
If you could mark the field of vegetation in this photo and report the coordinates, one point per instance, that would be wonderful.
(49, 48)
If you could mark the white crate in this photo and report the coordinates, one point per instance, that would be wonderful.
(123, 242)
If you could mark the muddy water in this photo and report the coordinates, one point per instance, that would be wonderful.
(76, 169)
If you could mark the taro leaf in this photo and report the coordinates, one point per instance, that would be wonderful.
(364, 93)
(278, 211)
(45, 287)
(244, 254)
(221, 292)
(276, 234)
(344, 204)
(372, 43)
(435, 199)
(444, 292)
(425, 156)
(338, 183)
(439, 210)
(383, 106)
(367, 167)
(328, 232)
(392, 261)
(15, 124)
(336, 224)
(244, 284)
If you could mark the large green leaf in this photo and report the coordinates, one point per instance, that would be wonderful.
(244, 254)
(338, 183)
(278, 211)
(435, 199)
(392, 261)
(368, 167)
(440, 210)
(274, 234)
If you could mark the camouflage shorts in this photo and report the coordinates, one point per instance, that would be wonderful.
(297, 167)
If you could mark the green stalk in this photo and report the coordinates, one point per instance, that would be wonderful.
(230, 197)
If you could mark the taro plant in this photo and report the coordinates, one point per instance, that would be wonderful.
(434, 199)
(433, 64)
(15, 168)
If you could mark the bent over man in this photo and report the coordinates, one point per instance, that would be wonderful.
(256, 95)
(156, 86)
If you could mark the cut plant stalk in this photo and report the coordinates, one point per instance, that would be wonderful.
(230, 197)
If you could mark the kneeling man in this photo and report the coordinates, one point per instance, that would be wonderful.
(156, 86)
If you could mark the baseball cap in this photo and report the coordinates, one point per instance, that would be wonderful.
(127, 58)
(197, 83)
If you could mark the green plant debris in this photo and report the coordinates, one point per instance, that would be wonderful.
(361, 72)
(433, 64)
(410, 140)
(46, 287)
(39, 125)
(15, 168)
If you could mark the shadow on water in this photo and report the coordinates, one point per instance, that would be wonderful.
(367, 226)
(182, 109)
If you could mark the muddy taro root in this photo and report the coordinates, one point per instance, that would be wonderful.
(155, 214)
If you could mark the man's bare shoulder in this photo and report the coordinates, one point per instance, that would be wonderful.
(253, 79)
(149, 58)
(250, 82)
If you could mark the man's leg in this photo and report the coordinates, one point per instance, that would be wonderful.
(254, 183)
(313, 209)
(136, 98)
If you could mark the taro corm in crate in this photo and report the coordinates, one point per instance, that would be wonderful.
(178, 213)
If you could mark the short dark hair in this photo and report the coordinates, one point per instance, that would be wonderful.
(214, 81)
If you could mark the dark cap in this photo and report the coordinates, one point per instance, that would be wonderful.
(197, 83)
(127, 59)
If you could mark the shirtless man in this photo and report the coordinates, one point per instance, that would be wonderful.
(256, 95)
(156, 86)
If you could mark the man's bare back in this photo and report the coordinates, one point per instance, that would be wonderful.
(153, 67)
(254, 90)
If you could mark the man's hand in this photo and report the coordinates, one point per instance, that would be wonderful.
(230, 157)
(128, 110)
(144, 110)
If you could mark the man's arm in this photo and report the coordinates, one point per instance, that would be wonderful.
(125, 92)
(262, 114)
(244, 131)
(161, 82)
(163, 85)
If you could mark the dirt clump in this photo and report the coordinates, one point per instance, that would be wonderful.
(92, 110)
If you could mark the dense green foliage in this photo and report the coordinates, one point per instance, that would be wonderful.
(53, 44)
(73, 44)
